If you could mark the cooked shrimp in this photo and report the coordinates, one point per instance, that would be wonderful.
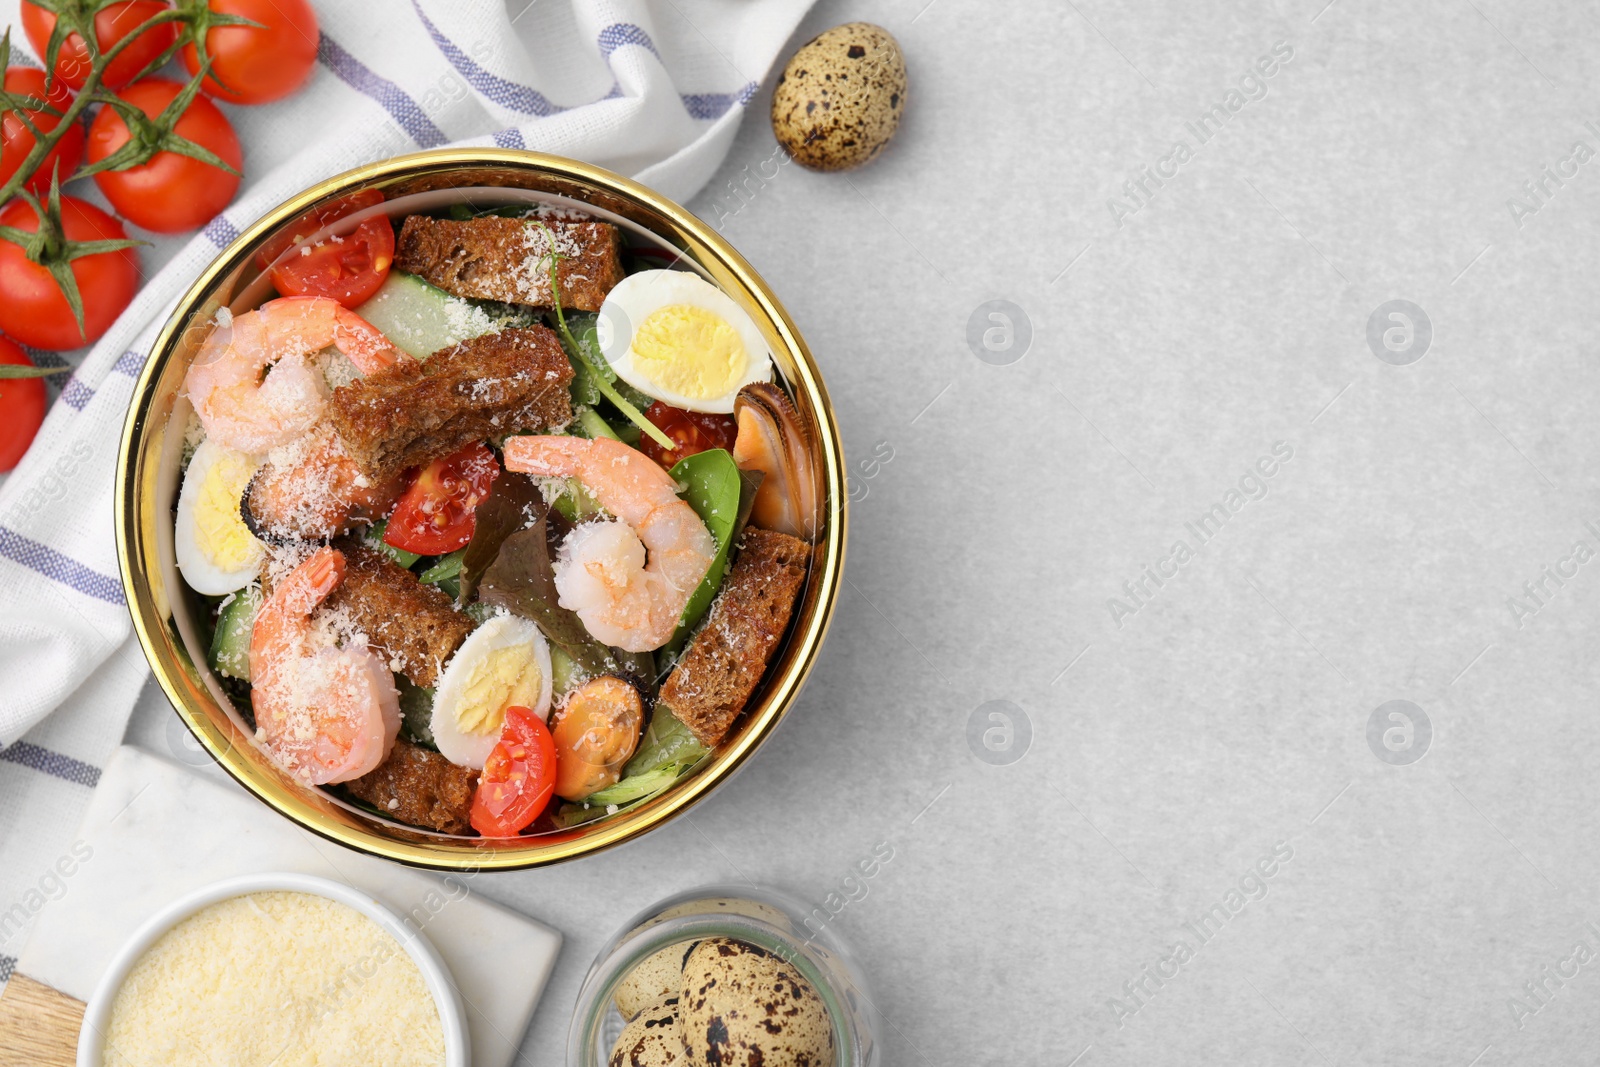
(624, 597)
(250, 413)
(326, 714)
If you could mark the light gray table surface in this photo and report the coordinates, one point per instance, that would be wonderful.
(1427, 867)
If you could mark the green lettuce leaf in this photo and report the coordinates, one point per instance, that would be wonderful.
(722, 495)
(666, 741)
(711, 486)
(520, 580)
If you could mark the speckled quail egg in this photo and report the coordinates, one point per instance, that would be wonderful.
(215, 550)
(660, 975)
(744, 1007)
(502, 664)
(840, 98)
(652, 1039)
(680, 339)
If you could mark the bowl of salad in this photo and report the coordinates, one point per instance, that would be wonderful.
(480, 509)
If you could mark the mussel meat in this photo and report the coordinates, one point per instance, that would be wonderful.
(773, 440)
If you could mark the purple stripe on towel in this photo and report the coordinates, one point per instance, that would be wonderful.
(715, 105)
(618, 34)
(510, 137)
(348, 69)
(75, 394)
(57, 567)
(43, 760)
(503, 91)
(221, 232)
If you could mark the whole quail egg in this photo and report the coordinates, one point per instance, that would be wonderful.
(744, 1007)
(652, 1039)
(660, 975)
(840, 98)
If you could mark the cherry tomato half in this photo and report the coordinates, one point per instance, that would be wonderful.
(22, 406)
(438, 512)
(16, 142)
(258, 65)
(518, 779)
(693, 431)
(314, 220)
(110, 26)
(348, 269)
(171, 193)
(32, 307)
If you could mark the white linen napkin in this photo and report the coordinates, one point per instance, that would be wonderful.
(651, 89)
(155, 831)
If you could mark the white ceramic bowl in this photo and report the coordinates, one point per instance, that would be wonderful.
(452, 1017)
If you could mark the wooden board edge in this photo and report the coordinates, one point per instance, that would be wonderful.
(38, 1025)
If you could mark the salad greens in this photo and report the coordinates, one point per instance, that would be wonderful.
(416, 710)
(444, 569)
(399, 555)
(521, 580)
(588, 354)
(512, 502)
(666, 741)
(724, 506)
(667, 752)
(712, 487)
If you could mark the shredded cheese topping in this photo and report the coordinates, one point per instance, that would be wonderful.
(283, 978)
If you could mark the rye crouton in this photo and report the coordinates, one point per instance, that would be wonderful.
(420, 409)
(493, 258)
(724, 663)
(418, 786)
(311, 489)
(414, 627)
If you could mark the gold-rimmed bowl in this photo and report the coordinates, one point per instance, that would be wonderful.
(168, 616)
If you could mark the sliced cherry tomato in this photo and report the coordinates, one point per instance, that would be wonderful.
(518, 779)
(258, 64)
(693, 431)
(22, 406)
(171, 193)
(348, 269)
(110, 26)
(32, 307)
(314, 220)
(16, 142)
(438, 512)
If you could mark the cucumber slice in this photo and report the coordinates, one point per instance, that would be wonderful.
(230, 645)
(422, 319)
(565, 675)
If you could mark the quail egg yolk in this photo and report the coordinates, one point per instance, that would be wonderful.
(690, 351)
(219, 530)
(502, 678)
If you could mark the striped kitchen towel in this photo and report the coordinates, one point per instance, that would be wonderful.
(650, 88)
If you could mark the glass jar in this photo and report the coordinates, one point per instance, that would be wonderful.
(765, 918)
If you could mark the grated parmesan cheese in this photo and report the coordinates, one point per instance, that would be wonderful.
(283, 978)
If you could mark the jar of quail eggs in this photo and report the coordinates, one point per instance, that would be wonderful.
(733, 975)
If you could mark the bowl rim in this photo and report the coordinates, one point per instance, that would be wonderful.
(437, 977)
(702, 243)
